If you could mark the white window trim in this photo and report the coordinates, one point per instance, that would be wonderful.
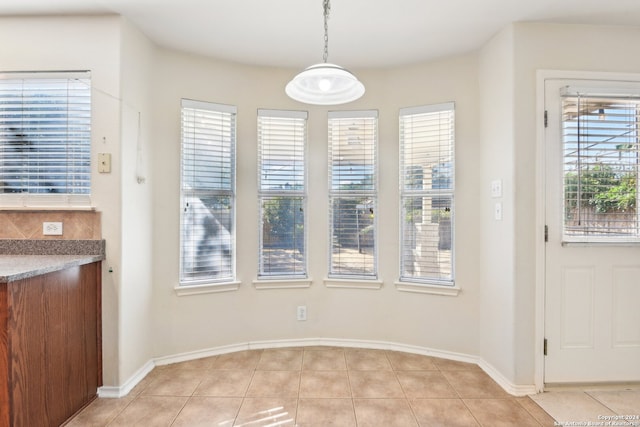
(356, 281)
(429, 285)
(209, 285)
(208, 288)
(285, 281)
(52, 202)
(336, 282)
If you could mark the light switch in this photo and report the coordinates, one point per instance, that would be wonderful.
(104, 162)
(496, 188)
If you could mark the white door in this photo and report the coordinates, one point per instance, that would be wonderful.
(592, 282)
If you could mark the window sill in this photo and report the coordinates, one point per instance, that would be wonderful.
(451, 291)
(186, 290)
(282, 283)
(353, 284)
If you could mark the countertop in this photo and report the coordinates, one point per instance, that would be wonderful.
(17, 267)
(24, 258)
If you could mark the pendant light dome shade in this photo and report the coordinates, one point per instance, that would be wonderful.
(325, 84)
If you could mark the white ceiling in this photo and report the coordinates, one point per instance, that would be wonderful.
(362, 33)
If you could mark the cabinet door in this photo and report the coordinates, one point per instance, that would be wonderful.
(54, 345)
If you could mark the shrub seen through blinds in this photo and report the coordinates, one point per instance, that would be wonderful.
(601, 149)
(427, 193)
(282, 137)
(207, 192)
(45, 139)
(353, 186)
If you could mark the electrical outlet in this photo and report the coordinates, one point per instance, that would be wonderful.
(302, 312)
(497, 211)
(52, 228)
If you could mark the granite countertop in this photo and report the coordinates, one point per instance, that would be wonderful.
(17, 267)
(21, 259)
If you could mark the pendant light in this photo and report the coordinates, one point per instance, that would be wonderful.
(325, 83)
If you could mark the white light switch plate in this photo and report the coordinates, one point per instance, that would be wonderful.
(52, 228)
(496, 188)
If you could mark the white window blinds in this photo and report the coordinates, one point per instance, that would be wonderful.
(45, 139)
(208, 159)
(427, 193)
(282, 138)
(353, 188)
(600, 132)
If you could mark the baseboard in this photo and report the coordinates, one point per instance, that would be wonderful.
(509, 387)
(123, 390)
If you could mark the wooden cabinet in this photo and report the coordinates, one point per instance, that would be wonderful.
(50, 346)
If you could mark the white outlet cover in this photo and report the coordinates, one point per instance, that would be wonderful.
(52, 228)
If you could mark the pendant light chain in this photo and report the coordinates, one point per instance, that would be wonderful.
(327, 9)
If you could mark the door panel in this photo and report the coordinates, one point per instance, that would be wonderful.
(592, 287)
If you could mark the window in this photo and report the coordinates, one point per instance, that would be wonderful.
(207, 193)
(45, 139)
(427, 194)
(282, 137)
(353, 193)
(600, 131)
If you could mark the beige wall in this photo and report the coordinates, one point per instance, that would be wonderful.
(192, 323)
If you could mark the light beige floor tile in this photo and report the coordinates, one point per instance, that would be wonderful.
(425, 384)
(442, 413)
(325, 412)
(410, 362)
(324, 360)
(571, 406)
(367, 360)
(622, 402)
(274, 384)
(267, 411)
(280, 360)
(383, 412)
(500, 413)
(536, 411)
(474, 384)
(150, 411)
(325, 384)
(208, 411)
(178, 383)
(144, 383)
(224, 383)
(100, 412)
(239, 360)
(375, 384)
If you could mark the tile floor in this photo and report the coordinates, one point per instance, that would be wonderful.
(594, 405)
(316, 386)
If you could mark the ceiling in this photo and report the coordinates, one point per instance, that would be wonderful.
(362, 33)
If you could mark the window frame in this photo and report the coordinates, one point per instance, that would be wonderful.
(292, 118)
(209, 283)
(79, 106)
(426, 283)
(598, 98)
(341, 279)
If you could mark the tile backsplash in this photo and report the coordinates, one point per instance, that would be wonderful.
(76, 225)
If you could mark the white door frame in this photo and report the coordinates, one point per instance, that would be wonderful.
(540, 188)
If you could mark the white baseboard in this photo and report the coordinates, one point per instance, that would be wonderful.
(123, 390)
(509, 387)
